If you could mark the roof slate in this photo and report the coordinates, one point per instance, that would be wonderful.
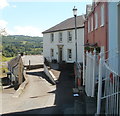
(67, 24)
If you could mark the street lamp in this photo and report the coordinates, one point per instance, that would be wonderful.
(75, 15)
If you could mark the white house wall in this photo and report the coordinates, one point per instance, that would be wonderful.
(119, 36)
(113, 35)
(47, 45)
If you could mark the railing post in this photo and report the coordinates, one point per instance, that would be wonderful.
(90, 74)
(84, 68)
(99, 84)
(94, 72)
(86, 72)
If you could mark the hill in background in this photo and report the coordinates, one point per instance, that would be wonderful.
(12, 45)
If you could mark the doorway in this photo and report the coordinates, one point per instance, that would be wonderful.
(60, 55)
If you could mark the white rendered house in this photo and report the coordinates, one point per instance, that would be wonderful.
(59, 41)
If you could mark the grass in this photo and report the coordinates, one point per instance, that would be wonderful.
(5, 59)
(3, 66)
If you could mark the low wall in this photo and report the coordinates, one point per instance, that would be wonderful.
(31, 67)
(49, 74)
(21, 88)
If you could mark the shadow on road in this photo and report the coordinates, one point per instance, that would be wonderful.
(64, 101)
(40, 74)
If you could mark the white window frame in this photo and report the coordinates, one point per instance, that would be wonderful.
(102, 15)
(52, 52)
(69, 33)
(92, 23)
(60, 36)
(69, 54)
(52, 37)
(96, 20)
(88, 25)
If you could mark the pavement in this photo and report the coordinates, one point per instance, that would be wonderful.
(84, 104)
(41, 97)
(36, 97)
(81, 104)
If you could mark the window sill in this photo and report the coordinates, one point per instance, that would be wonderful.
(69, 41)
(69, 59)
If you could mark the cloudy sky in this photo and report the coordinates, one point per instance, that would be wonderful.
(33, 17)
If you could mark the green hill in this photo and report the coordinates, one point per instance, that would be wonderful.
(14, 44)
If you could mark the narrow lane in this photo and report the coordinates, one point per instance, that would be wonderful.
(41, 97)
(36, 95)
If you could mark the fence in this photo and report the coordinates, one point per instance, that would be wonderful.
(90, 72)
(108, 87)
(103, 72)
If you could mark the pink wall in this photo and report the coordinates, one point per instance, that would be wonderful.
(98, 35)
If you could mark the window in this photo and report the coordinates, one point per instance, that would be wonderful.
(60, 37)
(96, 20)
(91, 23)
(52, 37)
(88, 26)
(52, 52)
(69, 54)
(69, 36)
(102, 15)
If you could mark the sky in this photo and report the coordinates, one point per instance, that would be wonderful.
(33, 17)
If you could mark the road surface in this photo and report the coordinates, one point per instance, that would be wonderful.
(33, 59)
(36, 95)
(40, 96)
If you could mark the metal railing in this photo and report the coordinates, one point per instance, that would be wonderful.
(108, 87)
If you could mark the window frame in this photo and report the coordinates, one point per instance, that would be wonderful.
(92, 27)
(69, 34)
(69, 54)
(60, 37)
(96, 20)
(88, 25)
(52, 37)
(102, 15)
(52, 52)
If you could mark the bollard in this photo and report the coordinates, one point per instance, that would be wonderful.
(29, 64)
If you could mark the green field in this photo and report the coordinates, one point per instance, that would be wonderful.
(3, 66)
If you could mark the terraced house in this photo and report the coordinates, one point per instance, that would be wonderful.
(102, 34)
(59, 41)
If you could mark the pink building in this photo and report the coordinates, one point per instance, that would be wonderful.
(96, 26)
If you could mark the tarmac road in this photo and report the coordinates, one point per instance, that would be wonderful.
(40, 96)
(36, 95)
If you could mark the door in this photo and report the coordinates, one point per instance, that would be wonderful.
(60, 54)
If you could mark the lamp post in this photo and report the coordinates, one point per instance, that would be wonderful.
(75, 15)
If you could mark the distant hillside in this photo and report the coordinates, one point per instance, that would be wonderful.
(14, 44)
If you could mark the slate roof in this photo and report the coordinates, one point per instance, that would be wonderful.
(67, 24)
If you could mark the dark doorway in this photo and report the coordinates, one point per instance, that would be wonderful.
(60, 54)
